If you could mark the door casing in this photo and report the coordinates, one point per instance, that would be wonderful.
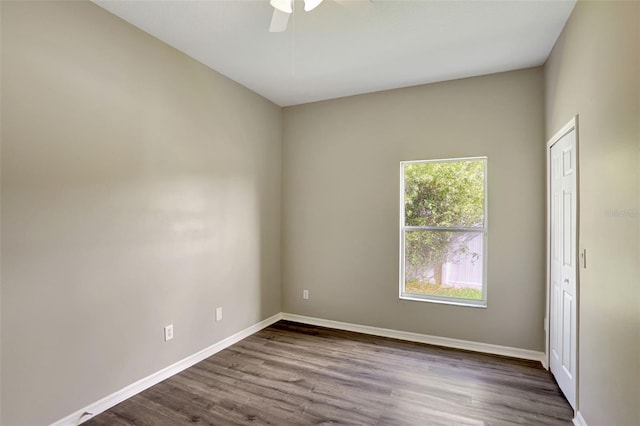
(571, 125)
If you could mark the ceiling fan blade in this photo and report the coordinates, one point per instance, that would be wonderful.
(279, 21)
(311, 4)
(285, 6)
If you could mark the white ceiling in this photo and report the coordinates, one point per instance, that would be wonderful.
(348, 47)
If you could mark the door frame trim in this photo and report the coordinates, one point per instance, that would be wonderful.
(571, 125)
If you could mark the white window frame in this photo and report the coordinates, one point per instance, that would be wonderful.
(484, 230)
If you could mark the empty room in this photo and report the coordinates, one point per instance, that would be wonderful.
(295, 212)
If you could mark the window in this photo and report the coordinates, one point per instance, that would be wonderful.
(443, 231)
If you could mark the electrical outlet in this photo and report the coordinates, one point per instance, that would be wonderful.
(168, 332)
(218, 314)
(305, 294)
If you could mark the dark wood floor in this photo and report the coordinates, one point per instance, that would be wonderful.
(294, 374)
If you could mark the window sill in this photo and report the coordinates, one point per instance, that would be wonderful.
(481, 304)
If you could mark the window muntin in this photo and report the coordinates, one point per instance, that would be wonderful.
(443, 211)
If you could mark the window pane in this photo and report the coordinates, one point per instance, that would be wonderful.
(444, 263)
(448, 194)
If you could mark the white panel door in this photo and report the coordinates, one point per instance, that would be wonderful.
(563, 303)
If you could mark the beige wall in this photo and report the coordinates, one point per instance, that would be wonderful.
(139, 188)
(341, 200)
(594, 71)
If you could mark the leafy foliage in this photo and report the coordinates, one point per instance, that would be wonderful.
(441, 194)
(447, 194)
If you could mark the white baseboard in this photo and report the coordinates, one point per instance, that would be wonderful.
(421, 338)
(578, 420)
(117, 397)
(544, 361)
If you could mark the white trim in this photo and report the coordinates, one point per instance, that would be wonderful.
(544, 361)
(145, 383)
(572, 125)
(452, 301)
(472, 303)
(420, 338)
(117, 397)
(578, 420)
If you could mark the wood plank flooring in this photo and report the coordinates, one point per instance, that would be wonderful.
(294, 374)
